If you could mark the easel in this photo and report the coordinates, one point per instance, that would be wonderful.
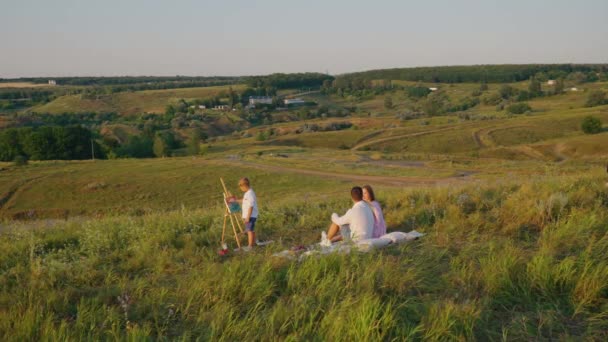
(233, 217)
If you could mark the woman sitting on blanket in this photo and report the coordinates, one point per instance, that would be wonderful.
(379, 224)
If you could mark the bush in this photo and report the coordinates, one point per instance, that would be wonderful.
(519, 108)
(20, 160)
(596, 98)
(261, 136)
(591, 125)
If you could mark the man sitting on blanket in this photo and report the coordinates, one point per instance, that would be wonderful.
(358, 222)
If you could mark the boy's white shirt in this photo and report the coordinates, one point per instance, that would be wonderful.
(250, 201)
(360, 218)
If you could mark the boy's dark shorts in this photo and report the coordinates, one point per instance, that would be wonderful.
(249, 226)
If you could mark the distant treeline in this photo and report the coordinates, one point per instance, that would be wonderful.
(123, 80)
(47, 143)
(285, 81)
(480, 73)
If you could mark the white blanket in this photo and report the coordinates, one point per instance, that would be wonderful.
(325, 247)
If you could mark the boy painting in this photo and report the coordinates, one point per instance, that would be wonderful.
(249, 204)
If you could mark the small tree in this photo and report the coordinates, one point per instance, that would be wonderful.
(160, 147)
(559, 86)
(261, 136)
(596, 98)
(519, 108)
(388, 102)
(20, 160)
(483, 86)
(534, 88)
(591, 125)
(506, 91)
(194, 144)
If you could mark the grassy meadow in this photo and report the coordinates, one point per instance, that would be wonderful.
(509, 258)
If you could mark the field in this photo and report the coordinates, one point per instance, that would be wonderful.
(149, 101)
(22, 85)
(513, 258)
(514, 208)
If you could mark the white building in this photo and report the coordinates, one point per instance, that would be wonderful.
(551, 82)
(253, 100)
(574, 89)
(202, 107)
(433, 89)
(52, 82)
(292, 102)
(221, 107)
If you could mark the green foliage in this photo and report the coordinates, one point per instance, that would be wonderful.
(136, 147)
(284, 81)
(596, 98)
(20, 160)
(506, 91)
(591, 125)
(479, 73)
(161, 146)
(388, 102)
(534, 88)
(435, 103)
(417, 92)
(519, 108)
(47, 143)
(194, 143)
(261, 136)
(559, 86)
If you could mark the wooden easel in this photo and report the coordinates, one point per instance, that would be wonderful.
(233, 217)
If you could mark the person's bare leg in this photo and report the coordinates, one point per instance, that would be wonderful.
(333, 232)
(251, 238)
(336, 238)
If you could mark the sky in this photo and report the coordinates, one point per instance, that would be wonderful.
(232, 37)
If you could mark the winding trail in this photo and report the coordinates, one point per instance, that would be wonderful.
(8, 198)
(384, 180)
(396, 137)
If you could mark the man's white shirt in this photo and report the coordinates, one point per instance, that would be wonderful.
(360, 218)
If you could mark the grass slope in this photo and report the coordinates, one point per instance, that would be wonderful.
(519, 259)
(150, 101)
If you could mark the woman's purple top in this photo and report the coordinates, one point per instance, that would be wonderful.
(379, 224)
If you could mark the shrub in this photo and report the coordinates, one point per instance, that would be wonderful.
(596, 98)
(591, 125)
(519, 108)
(20, 160)
(261, 136)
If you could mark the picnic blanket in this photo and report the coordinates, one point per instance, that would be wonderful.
(326, 247)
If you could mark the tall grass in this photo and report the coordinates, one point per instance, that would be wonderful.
(511, 260)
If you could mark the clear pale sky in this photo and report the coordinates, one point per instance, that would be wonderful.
(230, 37)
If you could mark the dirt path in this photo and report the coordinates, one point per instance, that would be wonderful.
(409, 135)
(530, 152)
(384, 180)
(482, 136)
(558, 151)
(8, 198)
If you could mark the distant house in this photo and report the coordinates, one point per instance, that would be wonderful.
(253, 100)
(551, 82)
(52, 82)
(433, 89)
(220, 107)
(293, 102)
(574, 89)
(202, 107)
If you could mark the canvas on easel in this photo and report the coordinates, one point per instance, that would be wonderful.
(232, 209)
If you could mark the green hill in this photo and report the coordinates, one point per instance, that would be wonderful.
(126, 103)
